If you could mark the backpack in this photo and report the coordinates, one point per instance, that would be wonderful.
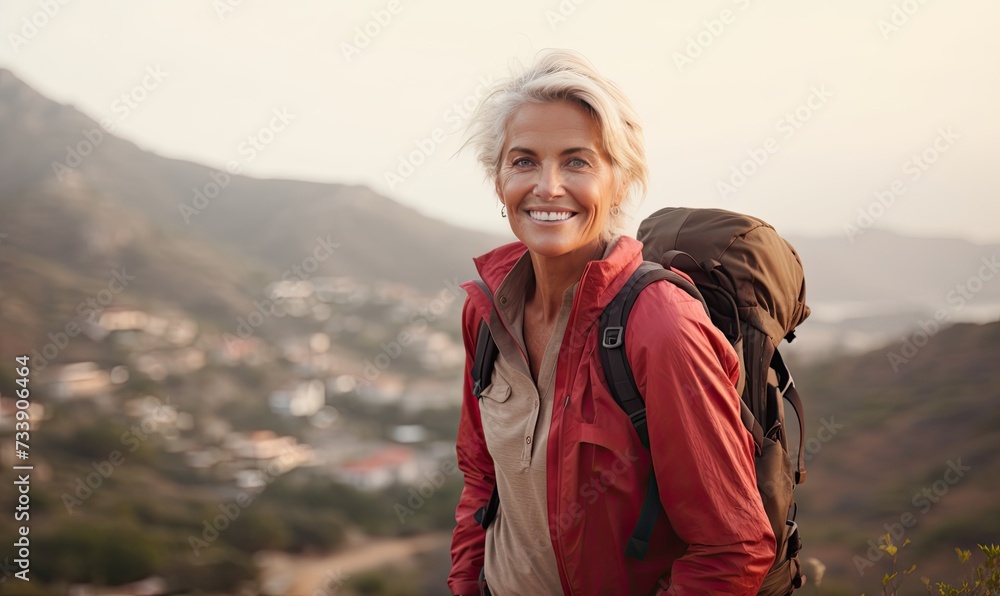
(751, 283)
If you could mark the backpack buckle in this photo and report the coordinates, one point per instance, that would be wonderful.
(613, 337)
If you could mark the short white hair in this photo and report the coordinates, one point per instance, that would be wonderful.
(560, 75)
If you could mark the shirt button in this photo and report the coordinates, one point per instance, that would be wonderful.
(503, 300)
(527, 440)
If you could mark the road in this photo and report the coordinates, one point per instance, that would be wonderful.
(321, 576)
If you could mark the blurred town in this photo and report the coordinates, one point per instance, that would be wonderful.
(230, 412)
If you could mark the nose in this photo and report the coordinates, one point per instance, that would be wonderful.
(550, 183)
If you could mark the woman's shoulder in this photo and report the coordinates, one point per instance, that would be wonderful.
(670, 326)
(664, 313)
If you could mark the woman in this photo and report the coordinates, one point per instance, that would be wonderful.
(564, 149)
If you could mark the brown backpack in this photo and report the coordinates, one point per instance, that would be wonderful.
(753, 286)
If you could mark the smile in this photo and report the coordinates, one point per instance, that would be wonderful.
(550, 215)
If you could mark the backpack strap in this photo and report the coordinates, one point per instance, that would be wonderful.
(486, 355)
(482, 374)
(621, 383)
(612, 336)
(786, 385)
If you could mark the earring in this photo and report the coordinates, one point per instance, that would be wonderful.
(503, 211)
(615, 210)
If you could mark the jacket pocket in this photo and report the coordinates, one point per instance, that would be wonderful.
(499, 416)
(612, 439)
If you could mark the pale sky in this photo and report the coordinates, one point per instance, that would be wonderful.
(874, 83)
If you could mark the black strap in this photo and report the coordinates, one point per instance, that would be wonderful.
(482, 373)
(786, 385)
(484, 516)
(486, 354)
(623, 387)
(638, 544)
(617, 371)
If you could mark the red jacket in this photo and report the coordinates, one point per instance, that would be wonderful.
(715, 537)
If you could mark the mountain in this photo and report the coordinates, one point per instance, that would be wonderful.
(79, 204)
(275, 223)
(905, 444)
(879, 286)
(884, 267)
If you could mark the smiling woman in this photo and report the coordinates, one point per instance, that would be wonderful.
(554, 470)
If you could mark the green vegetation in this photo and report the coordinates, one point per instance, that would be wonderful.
(100, 552)
(981, 580)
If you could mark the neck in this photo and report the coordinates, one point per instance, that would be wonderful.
(553, 275)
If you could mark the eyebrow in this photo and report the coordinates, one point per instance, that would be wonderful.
(569, 151)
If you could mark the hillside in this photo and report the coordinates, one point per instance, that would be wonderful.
(273, 222)
(915, 446)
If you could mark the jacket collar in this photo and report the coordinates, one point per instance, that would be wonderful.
(600, 282)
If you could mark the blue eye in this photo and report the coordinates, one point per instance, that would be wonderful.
(577, 162)
(521, 162)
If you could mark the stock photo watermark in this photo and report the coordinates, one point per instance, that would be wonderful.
(272, 306)
(223, 8)
(84, 487)
(787, 126)
(365, 34)
(914, 169)
(899, 17)
(455, 115)
(419, 320)
(712, 31)
(32, 25)
(923, 501)
(419, 495)
(827, 431)
(958, 296)
(231, 510)
(333, 581)
(123, 106)
(249, 148)
(89, 310)
(562, 12)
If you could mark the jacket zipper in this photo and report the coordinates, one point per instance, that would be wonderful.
(560, 557)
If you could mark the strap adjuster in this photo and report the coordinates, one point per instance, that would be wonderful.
(613, 337)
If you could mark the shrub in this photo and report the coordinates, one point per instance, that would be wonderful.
(984, 579)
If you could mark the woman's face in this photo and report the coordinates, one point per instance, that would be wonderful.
(556, 179)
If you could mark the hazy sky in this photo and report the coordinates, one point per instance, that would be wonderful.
(838, 96)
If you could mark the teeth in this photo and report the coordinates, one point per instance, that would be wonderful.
(549, 215)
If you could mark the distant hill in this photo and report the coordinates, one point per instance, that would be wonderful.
(882, 285)
(891, 436)
(883, 267)
(78, 202)
(274, 222)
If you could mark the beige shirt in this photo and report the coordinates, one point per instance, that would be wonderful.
(516, 415)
